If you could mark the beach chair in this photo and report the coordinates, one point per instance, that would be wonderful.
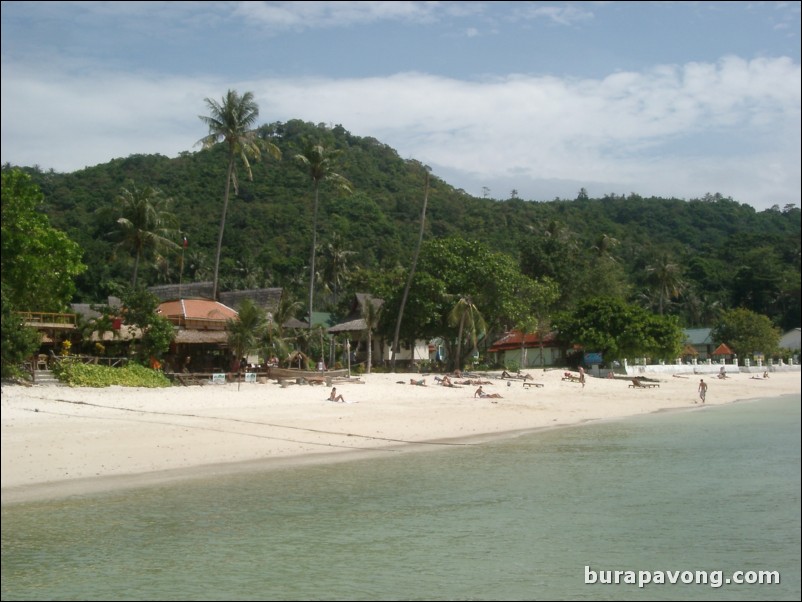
(639, 384)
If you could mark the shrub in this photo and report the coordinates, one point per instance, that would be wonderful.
(77, 374)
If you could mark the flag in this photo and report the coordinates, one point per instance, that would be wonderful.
(186, 242)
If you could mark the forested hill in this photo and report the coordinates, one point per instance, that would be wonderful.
(727, 254)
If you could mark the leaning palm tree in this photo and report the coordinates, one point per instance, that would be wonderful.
(411, 271)
(466, 315)
(319, 163)
(231, 122)
(145, 224)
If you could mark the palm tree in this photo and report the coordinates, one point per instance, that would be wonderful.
(319, 163)
(335, 265)
(146, 224)
(245, 331)
(666, 279)
(274, 338)
(370, 313)
(466, 315)
(412, 270)
(231, 122)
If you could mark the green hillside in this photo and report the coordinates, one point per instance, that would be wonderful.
(724, 253)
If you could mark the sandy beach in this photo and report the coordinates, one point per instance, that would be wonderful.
(59, 441)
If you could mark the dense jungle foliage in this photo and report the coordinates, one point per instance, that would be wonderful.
(687, 258)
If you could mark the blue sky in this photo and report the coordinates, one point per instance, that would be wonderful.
(544, 98)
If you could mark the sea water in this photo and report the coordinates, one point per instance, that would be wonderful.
(551, 515)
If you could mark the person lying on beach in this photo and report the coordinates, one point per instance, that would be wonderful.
(420, 383)
(506, 374)
(480, 393)
(445, 381)
(335, 397)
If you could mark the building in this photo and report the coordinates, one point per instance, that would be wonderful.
(527, 350)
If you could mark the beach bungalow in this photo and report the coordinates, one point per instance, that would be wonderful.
(354, 330)
(201, 340)
(527, 350)
(700, 340)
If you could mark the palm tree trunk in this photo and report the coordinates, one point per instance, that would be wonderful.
(458, 359)
(411, 276)
(222, 228)
(312, 260)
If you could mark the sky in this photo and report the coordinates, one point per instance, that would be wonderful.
(530, 99)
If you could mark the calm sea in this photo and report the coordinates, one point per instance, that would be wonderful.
(713, 489)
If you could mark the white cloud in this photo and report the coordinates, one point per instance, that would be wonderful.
(731, 127)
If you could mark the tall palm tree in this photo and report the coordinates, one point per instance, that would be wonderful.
(319, 164)
(145, 224)
(370, 313)
(231, 122)
(466, 315)
(412, 270)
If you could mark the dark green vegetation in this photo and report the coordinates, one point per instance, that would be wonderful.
(690, 260)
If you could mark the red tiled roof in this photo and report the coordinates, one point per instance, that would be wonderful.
(197, 309)
(512, 340)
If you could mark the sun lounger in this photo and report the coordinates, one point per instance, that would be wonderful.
(528, 384)
(639, 384)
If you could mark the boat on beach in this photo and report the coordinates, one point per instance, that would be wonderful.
(299, 375)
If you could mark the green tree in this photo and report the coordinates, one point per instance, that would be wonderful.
(139, 310)
(274, 340)
(146, 225)
(466, 316)
(246, 330)
(619, 330)
(320, 164)
(666, 279)
(18, 341)
(335, 265)
(747, 332)
(38, 263)
(231, 122)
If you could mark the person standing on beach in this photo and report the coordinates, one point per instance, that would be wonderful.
(702, 389)
(582, 376)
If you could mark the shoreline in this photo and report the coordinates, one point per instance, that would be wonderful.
(61, 442)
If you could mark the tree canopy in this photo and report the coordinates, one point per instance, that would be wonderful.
(39, 263)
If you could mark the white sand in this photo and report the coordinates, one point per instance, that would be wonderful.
(60, 441)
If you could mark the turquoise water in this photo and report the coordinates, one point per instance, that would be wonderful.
(706, 490)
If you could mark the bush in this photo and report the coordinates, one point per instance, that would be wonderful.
(77, 374)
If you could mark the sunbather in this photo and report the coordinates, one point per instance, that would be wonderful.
(335, 397)
(481, 393)
(420, 383)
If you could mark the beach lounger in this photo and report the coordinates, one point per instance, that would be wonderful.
(536, 385)
(639, 384)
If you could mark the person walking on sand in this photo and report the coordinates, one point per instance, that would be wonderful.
(335, 397)
(582, 376)
(702, 390)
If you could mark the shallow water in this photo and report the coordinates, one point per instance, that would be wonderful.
(711, 489)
